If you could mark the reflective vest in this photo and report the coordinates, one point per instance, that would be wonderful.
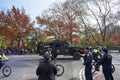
(3, 56)
(95, 51)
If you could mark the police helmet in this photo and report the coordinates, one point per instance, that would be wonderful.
(105, 50)
(88, 48)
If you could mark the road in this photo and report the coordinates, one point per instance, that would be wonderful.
(116, 62)
(24, 67)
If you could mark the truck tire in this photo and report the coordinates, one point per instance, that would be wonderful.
(76, 56)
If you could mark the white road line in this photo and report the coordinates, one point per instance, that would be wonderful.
(82, 60)
(81, 74)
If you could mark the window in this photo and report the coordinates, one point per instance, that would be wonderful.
(57, 45)
(67, 45)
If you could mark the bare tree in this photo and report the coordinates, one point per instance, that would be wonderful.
(99, 12)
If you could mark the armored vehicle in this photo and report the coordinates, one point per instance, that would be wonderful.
(60, 48)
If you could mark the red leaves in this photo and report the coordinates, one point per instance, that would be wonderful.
(115, 39)
(16, 24)
(59, 29)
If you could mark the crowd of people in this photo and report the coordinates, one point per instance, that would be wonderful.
(47, 70)
(17, 51)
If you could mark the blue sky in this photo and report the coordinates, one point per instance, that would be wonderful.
(33, 8)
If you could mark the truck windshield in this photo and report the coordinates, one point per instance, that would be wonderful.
(67, 44)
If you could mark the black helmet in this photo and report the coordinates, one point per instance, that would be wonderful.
(105, 50)
(88, 48)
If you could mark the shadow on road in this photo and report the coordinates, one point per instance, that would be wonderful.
(75, 78)
(32, 79)
(1, 77)
(65, 59)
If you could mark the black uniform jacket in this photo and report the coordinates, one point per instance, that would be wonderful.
(46, 71)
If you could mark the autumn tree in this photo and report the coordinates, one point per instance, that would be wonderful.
(61, 22)
(4, 30)
(3, 24)
(18, 25)
(115, 39)
(51, 27)
(95, 19)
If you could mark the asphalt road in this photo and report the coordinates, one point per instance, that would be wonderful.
(116, 62)
(24, 67)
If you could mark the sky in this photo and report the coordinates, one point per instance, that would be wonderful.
(32, 8)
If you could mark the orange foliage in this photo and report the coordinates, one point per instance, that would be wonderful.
(115, 39)
(60, 30)
(15, 25)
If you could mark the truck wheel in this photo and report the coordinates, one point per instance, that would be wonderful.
(76, 55)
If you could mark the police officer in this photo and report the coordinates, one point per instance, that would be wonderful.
(46, 70)
(106, 63)
(96, 57)
(88, 63)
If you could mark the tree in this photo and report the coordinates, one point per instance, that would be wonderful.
(101, 13)
(115, 39)
(17, 25)
(2, 42)
(61, 22)
(94, 20)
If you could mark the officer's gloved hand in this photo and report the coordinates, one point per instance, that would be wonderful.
(7, 60)
(83, 63)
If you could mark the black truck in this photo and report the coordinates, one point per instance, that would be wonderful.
(60, 48)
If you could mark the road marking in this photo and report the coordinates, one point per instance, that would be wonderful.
(30, 75)
(81, 74)
(26, 75)
(98, 76)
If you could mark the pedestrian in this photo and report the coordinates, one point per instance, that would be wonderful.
(40, 46)
(46, 69)
(50, 51)
(88, 63)
(106, 63)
